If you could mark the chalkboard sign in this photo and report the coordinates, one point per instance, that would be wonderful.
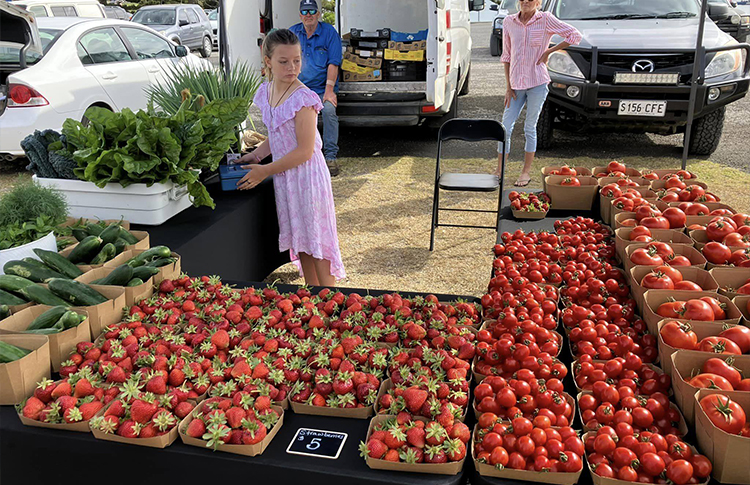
(317, 443)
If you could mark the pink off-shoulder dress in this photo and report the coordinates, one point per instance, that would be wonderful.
(304, 197)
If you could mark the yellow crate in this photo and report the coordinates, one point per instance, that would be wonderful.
(392, 55)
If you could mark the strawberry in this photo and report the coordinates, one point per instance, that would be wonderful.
(44, 390)
(157, 385)
(435, 454)
(461, 432)
(196, 429)
(235, 416)
(435, 435)
(395, 437)
(141, 411)
(183, 409)
(166, 286)
(392, 455)
(73, 415)
(373, 448)
(414, 398)
(89, 409)
(262, 403)
(148, 431)
(176, 377)
(116, 409)
(117, 375)
(253, 432)
(83, 388)
(66, 402)
(33, 408)
(220, 339)
(129, 429)
(62, 389)
(455, 449)
(416, 437)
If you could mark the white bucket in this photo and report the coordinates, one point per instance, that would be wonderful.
(48, 242)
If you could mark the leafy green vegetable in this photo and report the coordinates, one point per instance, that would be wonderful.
(27, 201)
(141, 147)
(18, 234)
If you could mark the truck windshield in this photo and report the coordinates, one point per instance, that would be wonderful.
(510, 5)
(155, 16)
(625, 9)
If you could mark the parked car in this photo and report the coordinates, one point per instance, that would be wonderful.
(743, 6)
(633, 71)
(730, 19)
(183, 24)
(63, 8)
(115, 12)
(213, 17)
(505, 8)
(71, 65)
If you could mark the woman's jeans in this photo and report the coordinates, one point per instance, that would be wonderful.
(534, 100)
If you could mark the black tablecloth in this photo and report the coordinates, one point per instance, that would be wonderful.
(238, 240)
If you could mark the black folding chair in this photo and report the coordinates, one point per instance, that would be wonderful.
(471, 131)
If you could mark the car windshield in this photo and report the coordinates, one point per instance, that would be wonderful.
(10, 55)
(213, 15)
(510, 5)
(625, 9)
(155, 16)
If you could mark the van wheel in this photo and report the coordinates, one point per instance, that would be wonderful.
(706, 133)
(544, 130)
(495, 46)
(465, 87)
(208, 47)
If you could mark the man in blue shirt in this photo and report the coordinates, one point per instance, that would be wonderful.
(321, 59)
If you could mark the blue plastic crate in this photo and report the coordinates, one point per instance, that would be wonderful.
(409, 37)
(230, 175)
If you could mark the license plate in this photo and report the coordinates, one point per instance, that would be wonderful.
(642, 108)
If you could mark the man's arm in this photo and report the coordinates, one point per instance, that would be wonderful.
(330, 94)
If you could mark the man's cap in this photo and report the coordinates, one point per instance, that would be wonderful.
(308, 5)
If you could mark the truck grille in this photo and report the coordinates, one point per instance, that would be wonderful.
(609, 63)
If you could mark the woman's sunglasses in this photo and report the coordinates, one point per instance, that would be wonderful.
(309, 12)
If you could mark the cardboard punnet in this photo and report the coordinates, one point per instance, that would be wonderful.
(622, 238)
(246, 450)
(700, 239)
(701, 329)
(569, 197)
(353, 413)
(529, 215)
(728, 453)
(602, 171)
(664, 172)
(80, 427)
(689, 273)
(657, 185)
(730, 279)
(641, 184)
(653, 298)
(614, 211)
(168, 272)
(17, 308)
(622, 217)
(107, 313)
(61, 345)
(681, 427)
(686, 364)
(487, 470)
(576, 363)
(696, 259)
(742, 302)
(452, 468)
(133, 294)
(18, 378)
(580, 171)
(161, 441)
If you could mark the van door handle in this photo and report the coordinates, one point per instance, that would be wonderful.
(441, 39)
(109, 76)
(154, 70)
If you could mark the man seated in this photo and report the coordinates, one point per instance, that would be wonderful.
(321, 59)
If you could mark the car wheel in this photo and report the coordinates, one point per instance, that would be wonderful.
(208, 47)
(465, 87)
(706, 133)
(85, 121)
(544, 129)
(495, 46)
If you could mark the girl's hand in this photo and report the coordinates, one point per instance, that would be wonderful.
(249, 158)
(544, 59)
(256, 175)
(509, 95)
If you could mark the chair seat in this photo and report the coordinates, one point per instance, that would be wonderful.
(471, 182)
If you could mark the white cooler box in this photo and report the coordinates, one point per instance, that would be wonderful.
(136, 203)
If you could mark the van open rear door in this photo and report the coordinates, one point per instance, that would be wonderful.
(241, 35)
(438, 51)
(19, 31)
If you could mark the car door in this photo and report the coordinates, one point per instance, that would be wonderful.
(103, 53)
(195, 29)
(154, 53)
(183, 24)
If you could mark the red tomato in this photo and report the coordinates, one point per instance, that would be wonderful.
(718, 345)
(686, 285)
(679, 335)
(720, 367)
(676, 217)
(571, 182)
(716, 252)
(680, 472)
(740, 335)
(698, 310)
(657, 281)
(673, 274)
(710, 381)
(724, 413)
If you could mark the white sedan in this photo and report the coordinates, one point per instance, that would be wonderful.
(84, 63)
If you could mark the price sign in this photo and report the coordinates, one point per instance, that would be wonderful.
(317, 443)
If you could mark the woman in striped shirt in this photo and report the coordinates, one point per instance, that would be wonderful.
(526, 38)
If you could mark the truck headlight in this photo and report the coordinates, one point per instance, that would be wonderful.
(724, 63)
(498, 23)
(560, 62)
(745, 20)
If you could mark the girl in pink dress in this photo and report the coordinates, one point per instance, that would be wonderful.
(301, 180)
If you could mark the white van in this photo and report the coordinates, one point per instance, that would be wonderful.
(63, 8)
(378, 103)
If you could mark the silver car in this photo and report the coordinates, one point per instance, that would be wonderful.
(184, 24)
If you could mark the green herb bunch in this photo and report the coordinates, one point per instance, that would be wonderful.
(28, 201)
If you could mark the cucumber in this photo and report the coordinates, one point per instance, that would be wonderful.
(35, 262)
(120, 245)
(48, 318)
(126, 235)
(4, 311)
(79, 234)
(135, 282)
(44, 331)
(58, 263)
(69, 320)
(107, 252)
(158, 263)
(9, 352)
(94, 229)
(8, 299)
(42, 295)
(145, 273)
(111, 233)
(118, 277)
(37, 274)
(86, 250)
(13, 283)
(150, 254)
(76, 293)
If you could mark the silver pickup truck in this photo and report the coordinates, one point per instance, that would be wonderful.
(633, 71)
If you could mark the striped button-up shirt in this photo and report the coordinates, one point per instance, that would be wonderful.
(524, 44)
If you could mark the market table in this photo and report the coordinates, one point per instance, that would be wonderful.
(38, 455)
(228, 240)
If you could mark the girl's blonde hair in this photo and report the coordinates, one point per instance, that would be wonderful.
(273, 39)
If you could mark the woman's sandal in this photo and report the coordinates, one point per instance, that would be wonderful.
(523, 181)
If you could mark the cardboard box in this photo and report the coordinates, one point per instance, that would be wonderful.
(156, 442)
(418, 45)
(689, 273)
(107, 313)
(728, 453)
(246, 450)
(168, 272)
(622, 238)
(365, 53)
(410, 56)
(681, 427)
(658, 185)
(742, 302)
(701, 329)
(571, 198)
(18, 378)
(696, 259)
(61, 345)
(80, 427)
(654, 298)
(144, 241)
(613, 211)
(371, 62)
(17, 308)
(575, 365)
(700, 239)
(602, 171)
(487, 470)
(370, 76)
(580, 171)
(663, 173)
(452, 468)
(642, 185)
(686, 364)
(730, 279)
(349, 66)
(133, 294)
